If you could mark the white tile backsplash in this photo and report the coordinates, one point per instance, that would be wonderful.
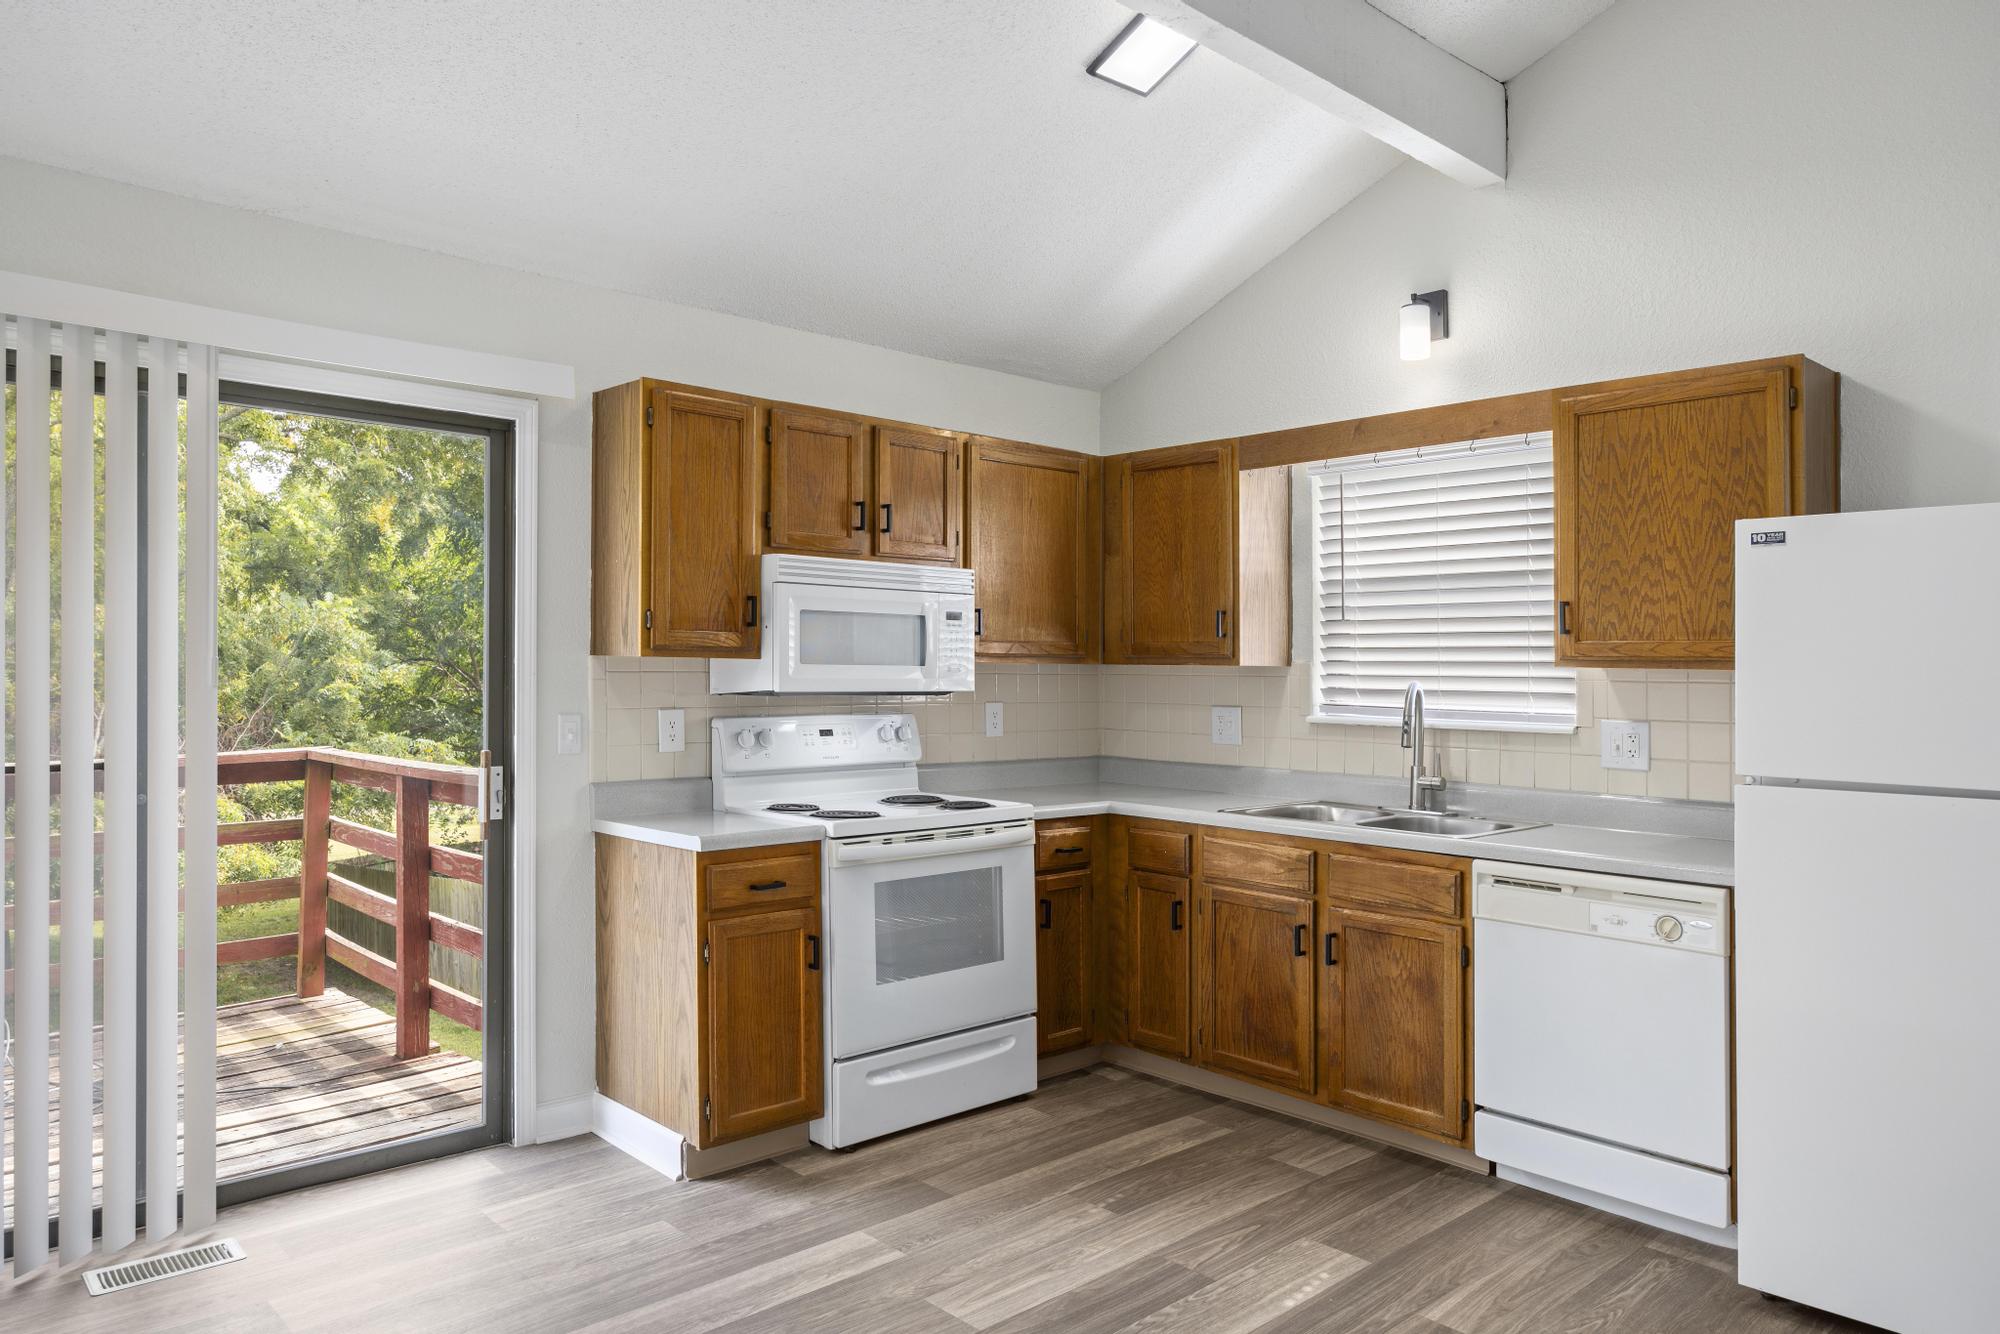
(1162, 713)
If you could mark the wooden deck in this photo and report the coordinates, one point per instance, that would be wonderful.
(301, 1077)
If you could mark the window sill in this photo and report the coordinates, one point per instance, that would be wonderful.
(1445, 723)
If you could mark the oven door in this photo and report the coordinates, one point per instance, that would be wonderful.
(855, 639)
(929, 934)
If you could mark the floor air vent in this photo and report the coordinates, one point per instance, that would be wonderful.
(170, 1264)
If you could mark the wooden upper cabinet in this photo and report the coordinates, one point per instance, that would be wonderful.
(919, 494)
(1255, 969)
(1033, 529)
(764, 1067)
(1197, 562)
(1392, 1019)
(818, 484)
(673, 522)
(1651, 475)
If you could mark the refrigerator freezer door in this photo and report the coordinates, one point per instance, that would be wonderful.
(1867, 648)
(1866, 1000)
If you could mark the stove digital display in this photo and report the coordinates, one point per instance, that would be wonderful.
(826, 731)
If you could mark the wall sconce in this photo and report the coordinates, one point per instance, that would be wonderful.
(1425, 319)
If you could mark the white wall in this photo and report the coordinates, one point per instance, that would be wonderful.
(1691, 182)
(84, 229)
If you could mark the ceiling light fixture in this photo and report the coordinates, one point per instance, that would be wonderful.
(1145, 52)
(1425, 320)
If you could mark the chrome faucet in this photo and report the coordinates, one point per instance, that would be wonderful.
(1421, 783)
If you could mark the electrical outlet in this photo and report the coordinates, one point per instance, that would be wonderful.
(1625, 745)
(1225, 725)
(673, 729)
(996, 719)
(569, 734)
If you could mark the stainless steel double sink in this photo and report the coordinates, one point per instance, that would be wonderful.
(1443, 824)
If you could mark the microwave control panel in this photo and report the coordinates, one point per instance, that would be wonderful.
(955, 637)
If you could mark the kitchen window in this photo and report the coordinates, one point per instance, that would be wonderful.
(1437, 565)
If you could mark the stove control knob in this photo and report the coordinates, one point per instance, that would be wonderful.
(905, 732)
(752, 738)
(1667, 928)
(886, 732)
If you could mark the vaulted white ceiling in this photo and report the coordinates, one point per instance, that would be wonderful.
(938, 176)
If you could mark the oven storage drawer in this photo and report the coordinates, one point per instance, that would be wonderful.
(892, 1090)
(760, 878)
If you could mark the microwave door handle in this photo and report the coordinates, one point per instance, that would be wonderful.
(858, 854)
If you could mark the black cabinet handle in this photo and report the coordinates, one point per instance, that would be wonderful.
(765, 885)
(750, 609)
(1331, 957)
(978, 623)
(1221, 624)
(1299, 941)
(1562, 618)
(1048, 914)
(887, 514)
(860, 516)
(812, 953)
(1174, 915)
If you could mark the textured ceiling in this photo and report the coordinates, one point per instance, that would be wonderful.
(1499, 38)
(931, 175)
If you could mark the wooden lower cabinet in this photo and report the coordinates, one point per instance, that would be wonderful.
(708, 1010)
(1255, 974)
(1159, 1000)
(1063, 972)
(1392, 1019)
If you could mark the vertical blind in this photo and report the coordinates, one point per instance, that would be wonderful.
(1437, 565)
(117, 759)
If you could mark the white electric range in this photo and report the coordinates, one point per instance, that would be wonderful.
(929, 917)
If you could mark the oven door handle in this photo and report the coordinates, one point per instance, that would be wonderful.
(854, 854)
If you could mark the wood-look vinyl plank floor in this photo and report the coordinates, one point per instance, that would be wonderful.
(1107, 1203)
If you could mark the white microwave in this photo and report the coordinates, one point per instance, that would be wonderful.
(856, 627)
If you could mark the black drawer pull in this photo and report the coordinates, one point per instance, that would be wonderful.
(763, 885)
(812, 956)
(1299, 941)
(888, 512)
(1066, 852)
(860, 516)
(1174, 915)
(1331, 957)
(1048, 914)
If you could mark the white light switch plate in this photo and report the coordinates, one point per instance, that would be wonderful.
(673, 729)
(1225, 725)
(1625, 745)
(996, 719)
(569, 734)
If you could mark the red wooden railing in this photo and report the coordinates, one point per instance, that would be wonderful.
(413, 785)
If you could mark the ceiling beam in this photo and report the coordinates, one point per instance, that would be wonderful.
(1358, 63)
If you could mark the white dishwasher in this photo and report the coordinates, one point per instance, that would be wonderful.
(1601, 1040)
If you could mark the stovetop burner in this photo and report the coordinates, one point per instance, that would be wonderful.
(848, 815)
(792, 807)
(913, 799)
(966, 806)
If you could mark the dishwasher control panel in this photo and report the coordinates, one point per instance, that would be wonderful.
(1663, 913)
(1627, 921)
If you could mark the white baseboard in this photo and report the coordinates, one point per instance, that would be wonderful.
(645, 1139)
(561, 1120)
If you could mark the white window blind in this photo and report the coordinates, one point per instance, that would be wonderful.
(1437, 565)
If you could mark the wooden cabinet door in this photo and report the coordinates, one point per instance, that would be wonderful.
(1392, 1019)
(1159, 1007)
(818, 484)
(1033, 530)
(1170, 554)
(1649, 483)
(701, 526)
(762, 1058)
(919, 494)
(1255, 968)
(1062, 960)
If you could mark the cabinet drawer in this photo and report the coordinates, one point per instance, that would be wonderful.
(1061, 847)
(1251, 861)
(1400, 886)
(1158, 849)
(763, 878)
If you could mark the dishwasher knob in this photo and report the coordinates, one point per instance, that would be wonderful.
(1667, 928)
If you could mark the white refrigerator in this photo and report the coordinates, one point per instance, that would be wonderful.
(1868, 887)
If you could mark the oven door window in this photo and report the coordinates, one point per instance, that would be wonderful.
(860, 639)
(933, 924)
